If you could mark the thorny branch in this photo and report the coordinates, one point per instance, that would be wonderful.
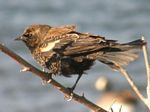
(49, 80)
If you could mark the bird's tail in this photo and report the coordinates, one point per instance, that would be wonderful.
(121, 54)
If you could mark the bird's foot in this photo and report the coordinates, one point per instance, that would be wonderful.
(44, 82)
(70, 90)
(70, 96)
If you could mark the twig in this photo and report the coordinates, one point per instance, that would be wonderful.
(145, 52)
(146, 101)
(132, 84)
(49, 80)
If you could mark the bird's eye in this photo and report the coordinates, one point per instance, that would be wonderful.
(28, 35)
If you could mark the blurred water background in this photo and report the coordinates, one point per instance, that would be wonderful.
(123, 20)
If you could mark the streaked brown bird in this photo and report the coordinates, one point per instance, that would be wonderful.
(64, 51)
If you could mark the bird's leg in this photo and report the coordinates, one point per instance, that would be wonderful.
(73, 87)
(69, 98)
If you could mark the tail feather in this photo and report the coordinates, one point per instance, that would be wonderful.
(136, 43)
(121, 54)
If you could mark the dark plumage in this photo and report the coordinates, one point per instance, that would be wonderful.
(64, 51)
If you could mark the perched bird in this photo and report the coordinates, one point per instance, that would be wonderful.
(64, 51)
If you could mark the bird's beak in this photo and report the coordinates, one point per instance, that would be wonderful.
(21, 38)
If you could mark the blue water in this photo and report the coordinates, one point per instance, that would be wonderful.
(123, 20)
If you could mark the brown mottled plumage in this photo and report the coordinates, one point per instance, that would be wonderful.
(64, 51)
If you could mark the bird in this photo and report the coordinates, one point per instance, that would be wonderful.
(64, 51)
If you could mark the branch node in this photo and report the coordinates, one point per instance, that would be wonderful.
(111, 110)
(99, 110)
(143, 38)
(25, 69)
(1, 44)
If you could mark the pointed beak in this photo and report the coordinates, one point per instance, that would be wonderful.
(20, 38)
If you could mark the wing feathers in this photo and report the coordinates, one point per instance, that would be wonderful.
(85, 46)
(59, 31)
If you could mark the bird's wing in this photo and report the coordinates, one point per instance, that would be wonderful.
(78, 44)
(74, 43)
(66, 41)
(57, 32)
(54, 35)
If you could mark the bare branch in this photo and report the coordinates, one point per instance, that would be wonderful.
(48, 79)
(132, 84)
(145, 52)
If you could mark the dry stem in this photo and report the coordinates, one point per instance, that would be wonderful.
(132, 84)
(145, 52)
(146, 58)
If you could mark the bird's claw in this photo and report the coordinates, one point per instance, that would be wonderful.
(70, 96)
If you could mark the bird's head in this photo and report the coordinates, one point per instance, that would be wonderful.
(34, 35)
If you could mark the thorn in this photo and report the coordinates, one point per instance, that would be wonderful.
(59, 88)
(44, 82)
(83, 95)
(25, 69)
(49, 81)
